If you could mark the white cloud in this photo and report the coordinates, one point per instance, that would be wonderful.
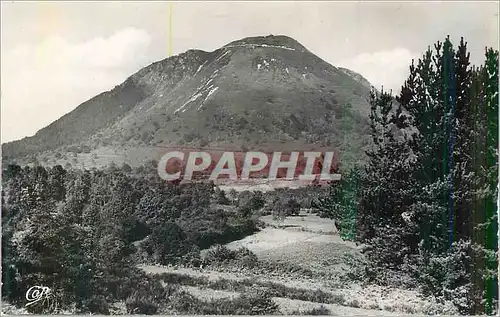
(41, 82)
(389, 68)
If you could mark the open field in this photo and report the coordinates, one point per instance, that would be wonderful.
(303, 242)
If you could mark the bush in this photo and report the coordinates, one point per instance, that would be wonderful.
(185, 303)
(86, 149)
(320, 311)
(192, 258)
(112, 208)
(96, 305)
(141, 305)
(233, 195)
(245, 257)
(221, 197)
(45, 306)
(256, 302)
(218, 254)
(249, 202)
(221, 254)
(317, 311)
(285, 206)
(448, 276)
(203, 143)
(146, 136)
(189, 137)
(126, 168)
(166, 244)
(146, 297)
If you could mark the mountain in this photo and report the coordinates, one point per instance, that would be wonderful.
(255, 93)
(358, 77)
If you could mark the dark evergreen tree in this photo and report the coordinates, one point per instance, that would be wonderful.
(490, 79)
(439, 211)
(387, 185)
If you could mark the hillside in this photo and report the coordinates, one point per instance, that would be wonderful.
(259, 92)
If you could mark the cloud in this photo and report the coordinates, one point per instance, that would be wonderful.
(42, 81)
(388, 68)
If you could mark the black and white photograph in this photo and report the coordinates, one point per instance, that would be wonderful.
(249, 158)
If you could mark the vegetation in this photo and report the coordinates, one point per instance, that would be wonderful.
(341, 203)
(270, 288)
(285, 206)
(253, 303)
(425, 203)
(62, 226)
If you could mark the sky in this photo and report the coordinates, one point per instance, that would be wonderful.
(56, 55)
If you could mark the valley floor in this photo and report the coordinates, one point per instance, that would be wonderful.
(305, 261)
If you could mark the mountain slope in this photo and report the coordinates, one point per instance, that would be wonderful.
(259, 92)
(358, 77)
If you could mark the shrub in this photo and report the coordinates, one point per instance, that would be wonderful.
(126, 168)
(85, 149)
(167, 243)
(203, 142)
(192, 257)
(245, 257)
(317, 311)
(219, 253)
(322, 310)
(448, 276)
(96, 305)
(146, 136)
(233, 195)
(188, 137)
(256, 302)
(285, 206)
(341, 203)
(146, 297)
(185, 303)
(221, 197)
(249, 202)
(45, 306)
(141, 305)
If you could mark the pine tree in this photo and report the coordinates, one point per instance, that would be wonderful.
(463, 137)
(387, 186)
(447, 205)
(490, 77)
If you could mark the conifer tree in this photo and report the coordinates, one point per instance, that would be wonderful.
(490, 78)
(444, 214)
(387, 185)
